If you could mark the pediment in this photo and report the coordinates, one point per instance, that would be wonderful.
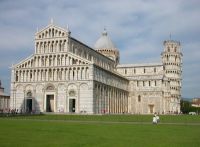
(28, 62)
(51, 31)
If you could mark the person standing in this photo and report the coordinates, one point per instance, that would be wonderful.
(154, 120)
(157, 118)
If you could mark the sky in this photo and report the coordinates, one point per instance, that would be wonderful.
(137, 28)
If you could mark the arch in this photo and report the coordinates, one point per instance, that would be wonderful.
(72, 86)
(29, 93)
(84, 86)
(49, 87)
(20, 87)
(72, 93)
(72, 99)
(29, 87)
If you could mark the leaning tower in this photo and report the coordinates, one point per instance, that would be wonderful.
(172, 61)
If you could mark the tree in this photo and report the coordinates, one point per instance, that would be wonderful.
(185, 106)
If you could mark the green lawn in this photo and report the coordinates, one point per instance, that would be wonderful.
(41, 131)
(117, 118)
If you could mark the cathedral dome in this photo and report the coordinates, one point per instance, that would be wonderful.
(104, 42)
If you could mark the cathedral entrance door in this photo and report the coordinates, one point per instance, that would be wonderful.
(28, 105)
(50, 103)
(72, 105)
(151, 108)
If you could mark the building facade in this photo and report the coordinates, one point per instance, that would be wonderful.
(196, 102)
(4, 99)
(65, 75)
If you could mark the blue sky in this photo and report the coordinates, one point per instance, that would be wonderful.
(137, 27)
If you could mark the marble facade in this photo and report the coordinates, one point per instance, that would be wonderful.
(65, 75)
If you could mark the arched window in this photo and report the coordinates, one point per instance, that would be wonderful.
(59, 46)
(16, 78)
(31, 76)
(52, 32)
(73, 74)
(60, 75)
(139, 98)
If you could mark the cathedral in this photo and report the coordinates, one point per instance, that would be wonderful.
(4, 99)
(64, 75)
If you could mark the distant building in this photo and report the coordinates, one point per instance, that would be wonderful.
(66, 75)
(196, 102)
(4, 99)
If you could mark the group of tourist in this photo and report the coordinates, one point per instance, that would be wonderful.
(156, 119)
(8, 112)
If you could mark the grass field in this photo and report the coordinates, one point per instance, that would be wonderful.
(103, 131)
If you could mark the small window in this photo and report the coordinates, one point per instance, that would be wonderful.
(73, 61)
(167, 58)
(60, 75)
(144, 70)
(143, 83)
(168, 49)
(149, 83)
(139, 98)
(154, 70)
(125, 71)
(175, 49)
(16, 78)
(73, 75)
